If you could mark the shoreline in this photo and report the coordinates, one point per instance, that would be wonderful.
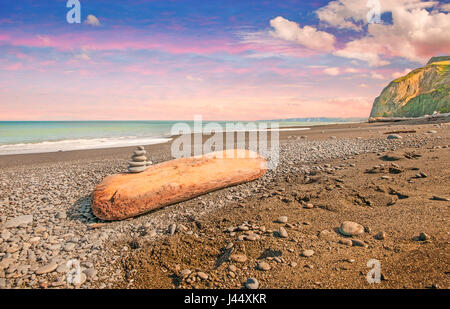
(65, 145)
(11, 160)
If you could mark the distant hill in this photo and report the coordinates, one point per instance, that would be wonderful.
(421, 92)
(320, 119)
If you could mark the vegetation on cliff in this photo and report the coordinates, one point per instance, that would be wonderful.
(421, 92)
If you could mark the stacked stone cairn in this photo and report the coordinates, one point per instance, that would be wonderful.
(138, 161)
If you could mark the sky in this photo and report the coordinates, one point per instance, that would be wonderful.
(223, 60)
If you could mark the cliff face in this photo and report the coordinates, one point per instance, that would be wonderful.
(420, 92)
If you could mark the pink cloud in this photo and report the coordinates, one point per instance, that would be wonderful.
(13, 67)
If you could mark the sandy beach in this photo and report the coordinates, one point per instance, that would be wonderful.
(397, 189)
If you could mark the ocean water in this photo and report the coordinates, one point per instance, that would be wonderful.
(18, 137)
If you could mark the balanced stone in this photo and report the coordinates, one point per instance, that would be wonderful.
(139, 152)
(137, 169)
(133, 164)
(139, 158)
(138, 161)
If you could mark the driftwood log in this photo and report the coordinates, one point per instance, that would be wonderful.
(123, 196)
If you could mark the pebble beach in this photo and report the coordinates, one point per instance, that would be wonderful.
(46, 218)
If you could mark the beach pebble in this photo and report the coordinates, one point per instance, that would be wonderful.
(264, 266)
(282, 219)
(359, 243)
(5, 235)
(309, 206)
(282, 232)
(137, 169)
(380, 236)
(308, 253)
(17, 221)
(394, 136)
(346, 242)
(185, 272)
(91, 273)
(69, 246)
(136, 164)
(172, 228)
(252, 284)
(46, 268)
(440, 198)
(349, 228)
(424, 236)
(240, 258)
(139, 158)
(252, 237)
(202, 275)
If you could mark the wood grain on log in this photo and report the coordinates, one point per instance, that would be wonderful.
(123, 196)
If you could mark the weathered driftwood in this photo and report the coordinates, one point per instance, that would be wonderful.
(123, 196)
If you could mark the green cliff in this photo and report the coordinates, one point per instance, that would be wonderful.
(421, 92)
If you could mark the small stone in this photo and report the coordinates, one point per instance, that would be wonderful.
(34, 240)
(61, 215)
(229, 246)
(135, 164)
(232, 268)
(252, 237)
(202, 275)
(380, 236)
(240, 258)
(139, 158)
(394, 136)
(2, 283)
(293, 264)
(138, 153)
(282, 232)
(264, 266)
(5, 234)
(91, 273)
(346, 242)
(252, 284)
(62, 269)
(309, 206)
(69, 246)
(46, 268)
(308, 253)
(172, 228)
(185, 272)
(17, 221)
(282, 219)
(80, 280)
(359, 243)
(349, 228)
(137, 169)
(243, 228)
(424, 236)
(440, 198)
